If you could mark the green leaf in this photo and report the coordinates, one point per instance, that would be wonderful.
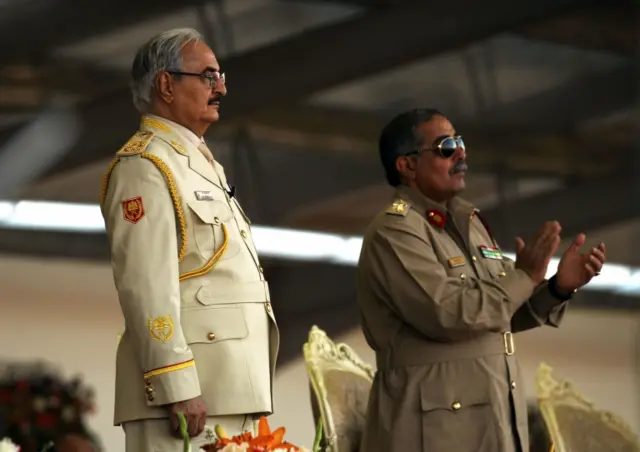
(318, 437)
(184, 433)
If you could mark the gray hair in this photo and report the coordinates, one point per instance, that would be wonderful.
(163, 52)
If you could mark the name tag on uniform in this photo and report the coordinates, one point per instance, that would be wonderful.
(204, 195)
(456, 261)
(490, 253)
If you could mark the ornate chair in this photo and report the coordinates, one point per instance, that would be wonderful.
(340, 384)
(574, 424)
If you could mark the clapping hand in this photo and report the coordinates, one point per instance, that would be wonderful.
(577, 269)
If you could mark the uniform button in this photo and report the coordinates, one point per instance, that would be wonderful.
(260, 269)
(456, 406)
(149, 390)
(463, 276)
(501, 274)
(211, 336)
(148, 381)
(267, 306)
(150, 398)
(216, 219)
(513, 385)
(473, 258)
(243, 234)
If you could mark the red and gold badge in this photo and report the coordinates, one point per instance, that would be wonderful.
(132, 209)
(436, 218)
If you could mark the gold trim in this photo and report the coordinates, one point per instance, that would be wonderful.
(211, 263)
(167, 369)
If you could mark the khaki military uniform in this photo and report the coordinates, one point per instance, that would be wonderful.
(196, 305)
(439, 306)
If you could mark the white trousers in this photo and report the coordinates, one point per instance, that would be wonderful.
(153, 435)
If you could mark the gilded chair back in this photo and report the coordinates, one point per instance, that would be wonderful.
(573, 422)
(340, 384)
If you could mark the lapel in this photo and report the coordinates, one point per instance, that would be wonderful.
(197, 161)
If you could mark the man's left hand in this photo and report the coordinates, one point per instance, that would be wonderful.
(577, 269)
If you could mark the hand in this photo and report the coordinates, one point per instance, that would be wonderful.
(576, 269)
(195, 412)
(534, 257)
(74, 443)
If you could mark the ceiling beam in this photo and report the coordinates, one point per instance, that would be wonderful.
(293, 69)
(606, 27)
(35, 29)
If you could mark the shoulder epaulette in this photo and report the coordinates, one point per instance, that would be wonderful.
(399, 207)
(136, 144)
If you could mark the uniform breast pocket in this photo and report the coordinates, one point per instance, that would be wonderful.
(212, 224)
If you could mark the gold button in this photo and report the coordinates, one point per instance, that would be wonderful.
(501, 274)
(243, 234)
(260, 269)
(473, 258)
(148, 381)
(216, 219)
(268, 307)
(463, 276)
(211, 336)
(456, 406)
(513, 385)
(150, 398)
(149, 390)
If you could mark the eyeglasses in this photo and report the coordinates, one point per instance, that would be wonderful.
(213, 78)
(447, 146)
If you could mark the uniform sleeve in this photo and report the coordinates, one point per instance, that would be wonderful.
(141, 227)
(543, 308)
(407, 273)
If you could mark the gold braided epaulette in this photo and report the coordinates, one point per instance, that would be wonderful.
(173, 191)
(399, 207)
(136, 144)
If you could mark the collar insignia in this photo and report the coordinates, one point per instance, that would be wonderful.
(436, 218)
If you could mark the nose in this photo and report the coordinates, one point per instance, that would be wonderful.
(460, 153)
(220, 88)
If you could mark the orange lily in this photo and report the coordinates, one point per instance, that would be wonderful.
(265, 441)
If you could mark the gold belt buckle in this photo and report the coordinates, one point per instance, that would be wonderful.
(509, 345)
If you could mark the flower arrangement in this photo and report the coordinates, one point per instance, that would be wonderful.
(6, 445)
(38, 406)
(266, 440)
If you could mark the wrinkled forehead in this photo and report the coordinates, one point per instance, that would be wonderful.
(429, 131)
(198, 57)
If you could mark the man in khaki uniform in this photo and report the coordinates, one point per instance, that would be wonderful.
(200, 336)
(440, 304)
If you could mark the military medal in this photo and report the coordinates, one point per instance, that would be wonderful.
(490, 253)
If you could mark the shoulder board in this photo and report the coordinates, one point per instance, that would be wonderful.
(136, 144)
(400, 207)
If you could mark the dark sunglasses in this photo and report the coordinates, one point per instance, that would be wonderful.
(448, 146)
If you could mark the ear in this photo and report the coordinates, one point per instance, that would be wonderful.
(164, 86)
(406, 166)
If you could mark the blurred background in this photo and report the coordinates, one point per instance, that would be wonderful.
(545, 93)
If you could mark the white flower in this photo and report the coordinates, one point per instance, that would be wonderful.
(7, 446)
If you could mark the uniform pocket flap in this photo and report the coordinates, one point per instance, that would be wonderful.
(211, 212)
(214, 324)
(436, 395)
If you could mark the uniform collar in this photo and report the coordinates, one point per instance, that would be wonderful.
(185, 133)
(423, 204)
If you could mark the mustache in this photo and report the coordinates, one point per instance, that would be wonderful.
(215, 98)
(459, 167)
